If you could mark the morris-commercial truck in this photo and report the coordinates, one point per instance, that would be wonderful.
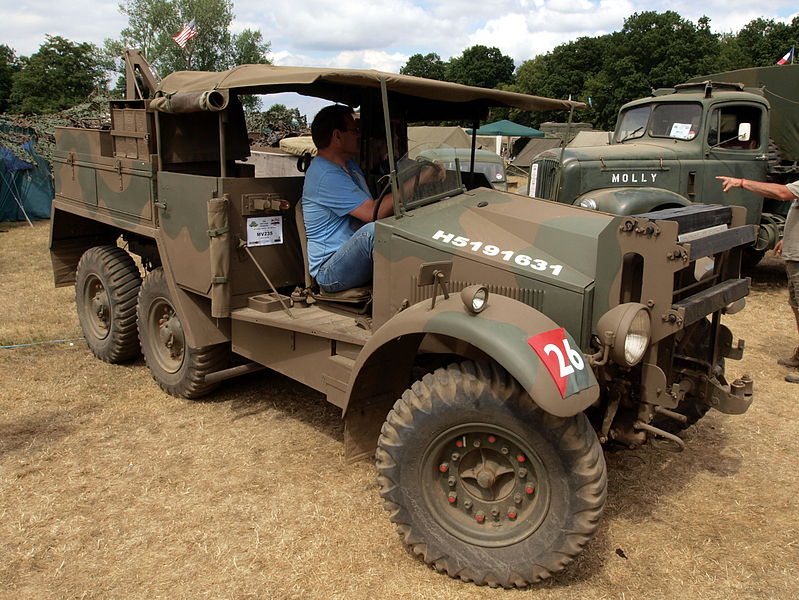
(502, 341)
(668, 148)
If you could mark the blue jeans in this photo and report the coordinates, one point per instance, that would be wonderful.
(351, 265)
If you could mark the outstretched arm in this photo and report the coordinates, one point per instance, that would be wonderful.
(777, 191)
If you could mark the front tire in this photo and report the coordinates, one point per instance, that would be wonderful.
(107, 284)
(483, 484)
(179, 369)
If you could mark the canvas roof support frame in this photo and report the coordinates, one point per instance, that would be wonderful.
(187, 91)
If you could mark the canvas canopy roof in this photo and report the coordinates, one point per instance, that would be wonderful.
(348, 86)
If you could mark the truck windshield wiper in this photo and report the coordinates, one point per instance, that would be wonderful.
(631, 134)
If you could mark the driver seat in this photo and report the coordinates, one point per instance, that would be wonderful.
(357, 299)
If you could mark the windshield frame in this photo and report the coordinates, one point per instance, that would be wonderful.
(685, 130)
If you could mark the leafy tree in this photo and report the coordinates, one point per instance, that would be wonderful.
(277, 117)
(762, 42)
(8, 66)
(480, 66)
(152, 23)
(61, 74)
(561, 73)
(430, 66)
(652, 50)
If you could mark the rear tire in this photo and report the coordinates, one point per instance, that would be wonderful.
(483, 484)
(179, 369)
(750, 258)
(107, 284)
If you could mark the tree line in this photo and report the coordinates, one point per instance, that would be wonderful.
(63, 73)
(652, 50)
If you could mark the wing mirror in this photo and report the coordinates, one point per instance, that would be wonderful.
(744, 132)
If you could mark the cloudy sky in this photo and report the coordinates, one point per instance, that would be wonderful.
(382, 34)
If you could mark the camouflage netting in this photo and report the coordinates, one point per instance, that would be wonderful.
(15, 130)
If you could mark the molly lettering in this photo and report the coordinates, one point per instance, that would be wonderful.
(633, 177)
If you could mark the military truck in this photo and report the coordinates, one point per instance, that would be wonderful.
(502, 341)
(668, 148)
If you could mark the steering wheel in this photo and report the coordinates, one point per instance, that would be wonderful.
(381, 195)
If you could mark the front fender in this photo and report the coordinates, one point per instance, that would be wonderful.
(633, 200)
(501, 331)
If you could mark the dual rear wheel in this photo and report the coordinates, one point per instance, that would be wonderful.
(122, 316)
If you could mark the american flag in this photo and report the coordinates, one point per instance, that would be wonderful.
(189, 31)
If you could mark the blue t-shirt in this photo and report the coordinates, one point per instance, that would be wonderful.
(329, 194)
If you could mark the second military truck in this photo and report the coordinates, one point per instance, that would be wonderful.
(668, 148)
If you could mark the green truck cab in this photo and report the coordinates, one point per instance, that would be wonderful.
(503, 339)
(668, 148)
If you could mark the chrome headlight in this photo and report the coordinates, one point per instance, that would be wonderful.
(627, 329)
(588, 203)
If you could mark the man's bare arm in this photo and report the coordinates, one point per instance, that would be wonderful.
(776, 191)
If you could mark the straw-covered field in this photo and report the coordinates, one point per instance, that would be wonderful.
(111, 489)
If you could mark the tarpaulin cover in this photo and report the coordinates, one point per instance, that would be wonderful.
(26, 188)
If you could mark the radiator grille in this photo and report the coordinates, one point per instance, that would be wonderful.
(545, 178)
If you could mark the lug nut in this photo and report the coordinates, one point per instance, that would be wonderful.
(480, 517)
(495, 512)
(517, 498)
(452, 497)
(504, 450)
(459, 444)
(476, 443)
(451, 482)
(467, 504)
(520, 458)
(443, 467)
(522, 472)
(455, 457)
(511, 514)
(492, 439)
(530, 489)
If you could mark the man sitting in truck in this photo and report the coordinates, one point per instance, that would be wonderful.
(338, 206)
(787, 247)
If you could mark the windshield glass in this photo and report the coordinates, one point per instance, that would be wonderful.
(632, 123)
(679, 121)
(423, 177)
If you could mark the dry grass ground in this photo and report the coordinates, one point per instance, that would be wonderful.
(111, 489)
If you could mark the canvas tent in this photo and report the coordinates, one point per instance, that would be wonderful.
(454, 137)
(533, 148)
(507, 128)
(26, 186)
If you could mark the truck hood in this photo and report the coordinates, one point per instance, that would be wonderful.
(619, 152)
(532, 238)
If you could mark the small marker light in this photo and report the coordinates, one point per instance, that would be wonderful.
(475, 298)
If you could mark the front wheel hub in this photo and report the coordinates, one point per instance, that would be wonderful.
(483, 496)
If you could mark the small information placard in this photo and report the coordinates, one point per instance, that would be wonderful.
(681, 131)
(264, 231)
